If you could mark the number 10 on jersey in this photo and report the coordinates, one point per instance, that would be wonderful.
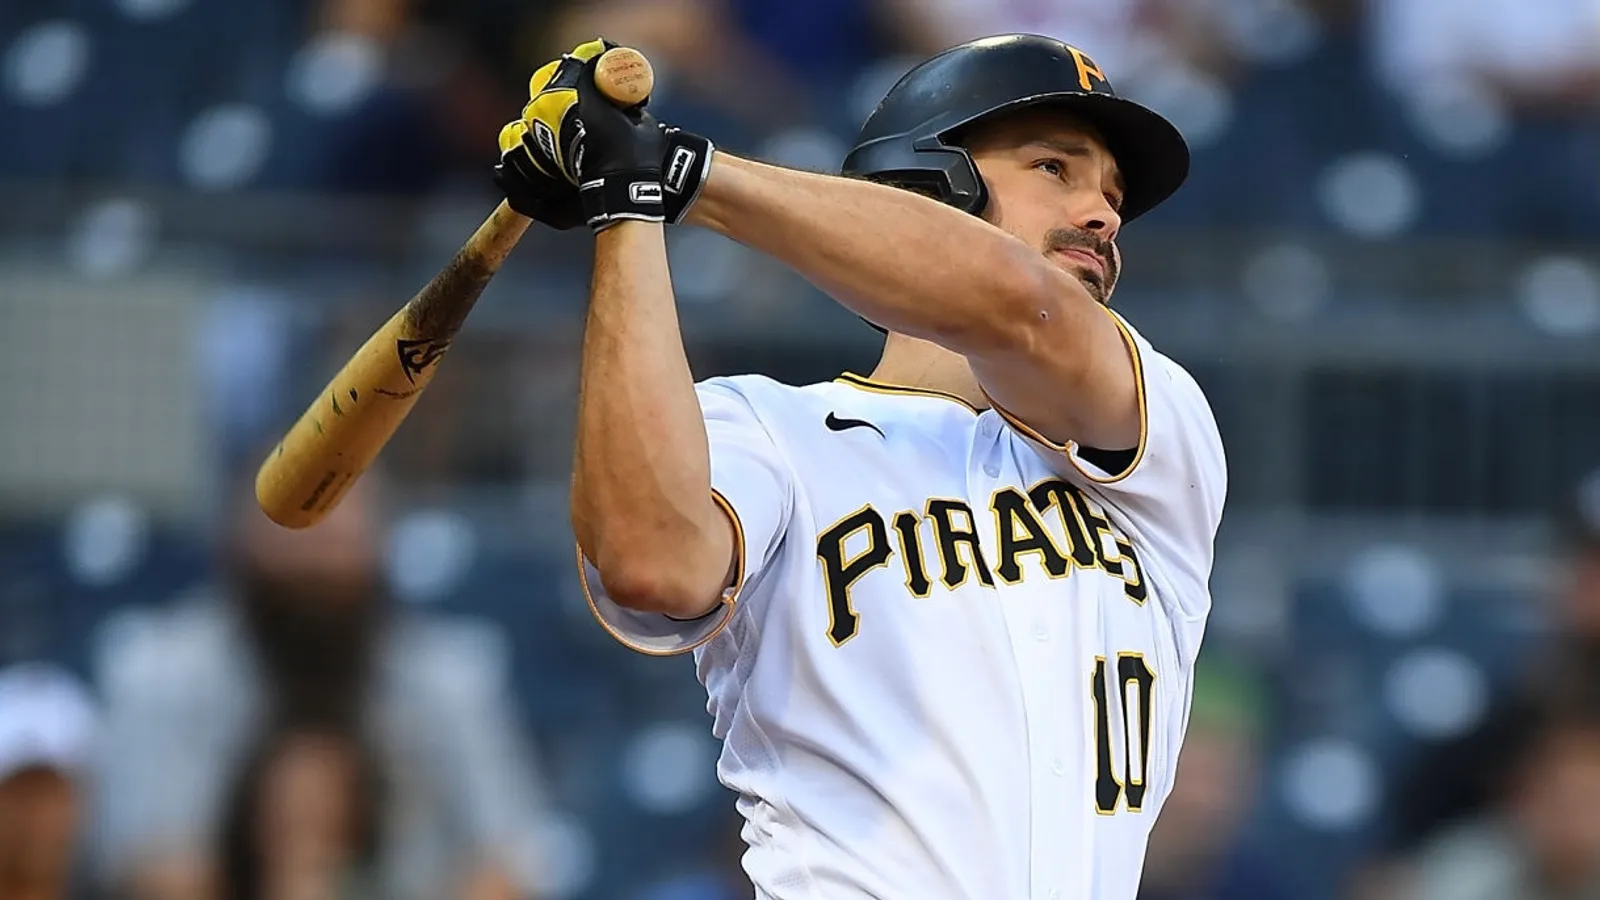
(1134, 682)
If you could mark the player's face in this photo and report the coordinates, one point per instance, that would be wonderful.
(1053, 183)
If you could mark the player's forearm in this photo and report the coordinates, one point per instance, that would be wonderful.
(906, 262)
(642, 508)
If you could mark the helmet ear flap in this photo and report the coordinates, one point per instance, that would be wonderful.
(963, 187)
(929, 167)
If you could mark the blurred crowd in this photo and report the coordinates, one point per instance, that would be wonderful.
(282, 731)
(283, 727)
(1372, 116)
(1508, 807)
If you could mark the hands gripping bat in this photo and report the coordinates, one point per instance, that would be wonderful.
(343, 430)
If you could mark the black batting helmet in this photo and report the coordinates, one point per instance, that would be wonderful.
(904, 141)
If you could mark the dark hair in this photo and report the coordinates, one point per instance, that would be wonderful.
(241, 866)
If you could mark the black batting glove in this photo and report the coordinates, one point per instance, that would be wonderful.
(566, 109)
(619, 160)
(528, 188)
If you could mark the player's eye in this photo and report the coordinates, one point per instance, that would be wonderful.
(1116, 202)
(1055, 168)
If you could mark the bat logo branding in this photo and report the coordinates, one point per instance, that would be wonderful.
(417, 356)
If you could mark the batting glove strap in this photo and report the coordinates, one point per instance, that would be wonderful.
(635, 194)
(684, 170)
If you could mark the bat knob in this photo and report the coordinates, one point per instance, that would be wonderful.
(624, 76)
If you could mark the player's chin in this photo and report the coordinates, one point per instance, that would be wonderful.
(1086, 275)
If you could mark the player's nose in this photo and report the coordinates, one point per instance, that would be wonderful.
(1097, 216)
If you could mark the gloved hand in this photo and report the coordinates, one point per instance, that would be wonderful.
(529, 185)
(627, 163)
(552, 134)
(618, 165)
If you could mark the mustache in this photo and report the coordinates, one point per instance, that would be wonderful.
(1072, 239)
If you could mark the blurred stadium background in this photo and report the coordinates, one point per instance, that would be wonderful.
(1385, 271)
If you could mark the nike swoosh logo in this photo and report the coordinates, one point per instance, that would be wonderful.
(835, 423)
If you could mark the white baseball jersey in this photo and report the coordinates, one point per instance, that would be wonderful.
(957, 662)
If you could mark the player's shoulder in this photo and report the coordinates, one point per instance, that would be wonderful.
(1146, 348)
(761, 392)
(745, 386)
(1156, 362)
(782, 407)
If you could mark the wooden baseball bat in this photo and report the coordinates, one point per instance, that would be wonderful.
(325, 452)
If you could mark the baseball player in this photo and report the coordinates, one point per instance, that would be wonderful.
(946, 614)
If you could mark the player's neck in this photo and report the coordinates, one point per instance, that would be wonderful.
(910, 362)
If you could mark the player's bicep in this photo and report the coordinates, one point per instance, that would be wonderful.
(752, 489)
(1075, 381)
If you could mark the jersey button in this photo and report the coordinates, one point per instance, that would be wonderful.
(1041, 633)
(1057, 766)
(993, 471)
(1055, 894)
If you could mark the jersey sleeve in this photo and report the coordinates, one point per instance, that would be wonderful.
(751, 483)
(1172, 485)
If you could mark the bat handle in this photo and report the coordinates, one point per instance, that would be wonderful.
(624, 76)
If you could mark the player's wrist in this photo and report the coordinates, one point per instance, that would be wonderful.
(734, 188)
(634, 194)
(685, 166)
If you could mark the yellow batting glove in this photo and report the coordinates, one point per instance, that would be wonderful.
(511, 135)
(551, 115)
(529, 188)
